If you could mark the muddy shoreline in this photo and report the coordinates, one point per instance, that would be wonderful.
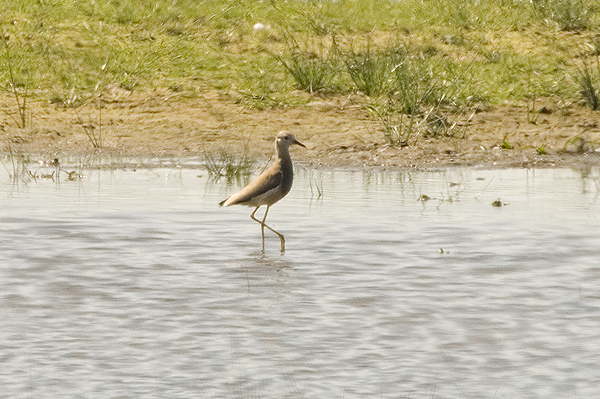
(337, 132)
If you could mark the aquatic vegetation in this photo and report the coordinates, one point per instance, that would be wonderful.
(498, 203)
(318, 187)
(229, 166)
(18, 167)
(22, 168)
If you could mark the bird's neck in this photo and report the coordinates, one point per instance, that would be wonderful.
(283, 153)
(283, 156)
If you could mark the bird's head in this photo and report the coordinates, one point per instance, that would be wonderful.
(285, 139)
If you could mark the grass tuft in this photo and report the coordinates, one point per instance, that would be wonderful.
(570, 15)
(229, 166)
(588, 79)
(313, 71)
(398, 128)
(541, 150)
(371, 71)
(18, 90)
(92, 129)
(506, 145)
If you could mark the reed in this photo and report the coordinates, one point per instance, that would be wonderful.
(18, 167)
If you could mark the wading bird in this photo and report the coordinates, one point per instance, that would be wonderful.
(270, 186)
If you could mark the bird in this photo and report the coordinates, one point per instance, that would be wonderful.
(270, 186)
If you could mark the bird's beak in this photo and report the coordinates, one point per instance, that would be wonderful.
(299, 143)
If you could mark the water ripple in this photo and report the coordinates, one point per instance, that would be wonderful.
(135, 284)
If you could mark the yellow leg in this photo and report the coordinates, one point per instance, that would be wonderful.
(263, 225)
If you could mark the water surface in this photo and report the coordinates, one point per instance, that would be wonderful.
(132, 282)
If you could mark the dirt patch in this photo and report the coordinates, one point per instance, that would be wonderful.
(337, 132)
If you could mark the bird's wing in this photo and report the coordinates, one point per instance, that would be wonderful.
(266, 181)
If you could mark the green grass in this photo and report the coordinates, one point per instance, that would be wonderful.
(419, 53)
(589, 83)
(18, 91)
(312, 65)
(506, 145)
(143, 45)
(371, 70)
(229, 166)
(574, 15)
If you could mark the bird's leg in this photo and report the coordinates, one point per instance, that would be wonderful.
(263, 225)
(281, 239)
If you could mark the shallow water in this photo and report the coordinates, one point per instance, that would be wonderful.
(134, 283)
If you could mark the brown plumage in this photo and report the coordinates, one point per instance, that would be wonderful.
(270, 186)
